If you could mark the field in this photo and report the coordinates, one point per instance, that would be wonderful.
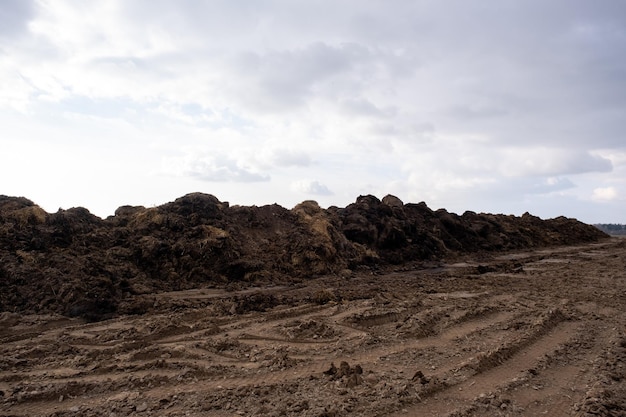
(512, 334)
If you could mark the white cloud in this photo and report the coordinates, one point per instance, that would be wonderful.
(284, 157)
(213, 168)
(604, 194)
(312, 187)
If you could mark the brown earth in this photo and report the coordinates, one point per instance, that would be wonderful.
(382, 308)
(76, 264)
(538, 332)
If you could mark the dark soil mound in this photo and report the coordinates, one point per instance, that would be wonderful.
(75, 263)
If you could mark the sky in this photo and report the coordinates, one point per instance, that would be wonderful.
(498, 106)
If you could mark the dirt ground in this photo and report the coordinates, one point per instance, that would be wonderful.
(517, 334)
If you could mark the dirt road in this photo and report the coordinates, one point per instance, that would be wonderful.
(519, 334)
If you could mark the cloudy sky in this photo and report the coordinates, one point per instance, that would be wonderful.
(501, 106)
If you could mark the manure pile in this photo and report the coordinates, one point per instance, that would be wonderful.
(77, 264)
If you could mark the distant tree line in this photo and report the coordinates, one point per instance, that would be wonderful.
(612, 228)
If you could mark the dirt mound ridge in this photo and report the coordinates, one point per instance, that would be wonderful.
(75, 263)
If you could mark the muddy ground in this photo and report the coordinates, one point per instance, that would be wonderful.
(539, 332)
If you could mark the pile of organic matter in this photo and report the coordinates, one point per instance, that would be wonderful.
(74, 263)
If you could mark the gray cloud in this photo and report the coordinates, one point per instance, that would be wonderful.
(311, 187)
(477, 111)
(285, 78)
(551, 162)
(359, 106)
(220, 169)
(585, 162)
(549, 185)
(289, 158)
(14, 17)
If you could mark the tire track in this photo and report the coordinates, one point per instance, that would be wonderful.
(371, 356)
(252, 377)
(506, 369)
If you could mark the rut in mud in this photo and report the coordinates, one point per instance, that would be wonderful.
(540, 332)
